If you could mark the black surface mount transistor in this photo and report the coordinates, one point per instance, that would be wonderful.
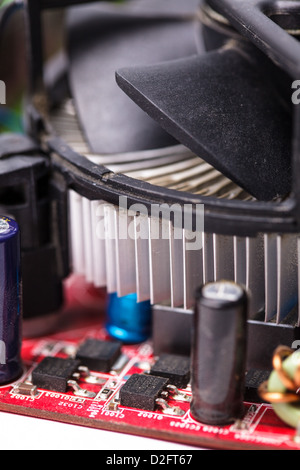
(54, 373)
(142, 391)
(174, 367)
(99, 355)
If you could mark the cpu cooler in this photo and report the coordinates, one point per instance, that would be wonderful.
(203, 115)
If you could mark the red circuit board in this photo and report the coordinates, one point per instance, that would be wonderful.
(259, 429)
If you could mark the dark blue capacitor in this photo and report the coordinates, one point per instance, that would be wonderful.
(10, 301)
(129, 321)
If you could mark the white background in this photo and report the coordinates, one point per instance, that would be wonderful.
(25, 433)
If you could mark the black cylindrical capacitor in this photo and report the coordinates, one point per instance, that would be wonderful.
(219, 353)
(10, 301)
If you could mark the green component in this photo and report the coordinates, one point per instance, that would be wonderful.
(5, 2)
(10, 120)
(288, 412)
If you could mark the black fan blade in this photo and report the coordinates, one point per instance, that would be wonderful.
(224, 109)
(99, 43)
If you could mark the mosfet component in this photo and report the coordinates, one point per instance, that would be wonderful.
(142, 391)
(98, 355)
(61, 375)
(54, 373)
(174, 367)
(152, 393)
(10, 301)
(219, 353)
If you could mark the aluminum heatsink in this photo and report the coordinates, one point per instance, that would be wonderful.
(163, 270)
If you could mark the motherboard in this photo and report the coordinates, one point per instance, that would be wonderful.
(135, 392)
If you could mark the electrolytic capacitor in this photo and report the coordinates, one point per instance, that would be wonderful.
(219, 353)
(128, 321)
(10, 301)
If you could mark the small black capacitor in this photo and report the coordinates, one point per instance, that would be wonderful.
(219, 353)
(10, 301)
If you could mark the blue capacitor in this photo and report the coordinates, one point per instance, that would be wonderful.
(129, 321)
(10, 301)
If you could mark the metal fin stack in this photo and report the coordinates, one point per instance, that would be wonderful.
(165, 272)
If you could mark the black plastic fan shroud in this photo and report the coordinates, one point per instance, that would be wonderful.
(231, 106)
(252, 20)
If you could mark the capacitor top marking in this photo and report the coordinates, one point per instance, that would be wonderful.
(226, 291)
